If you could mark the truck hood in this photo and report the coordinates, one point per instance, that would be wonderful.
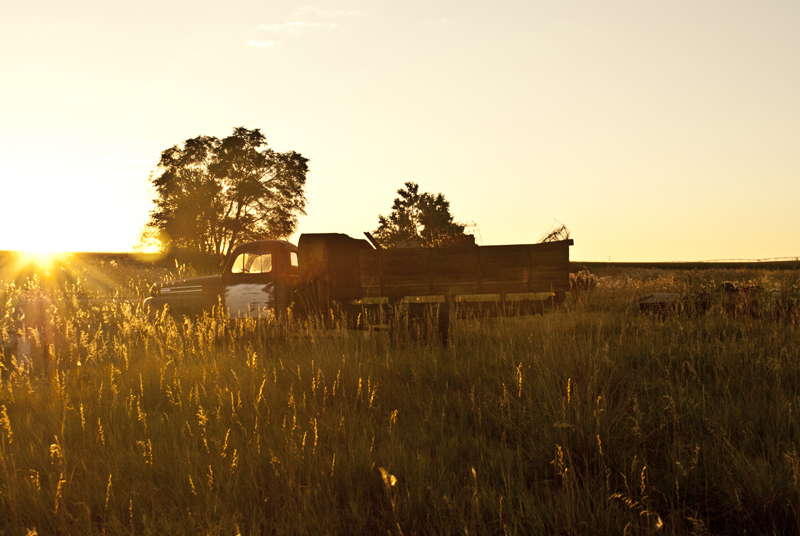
(208, 285)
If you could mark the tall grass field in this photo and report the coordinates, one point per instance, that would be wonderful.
(591, 419)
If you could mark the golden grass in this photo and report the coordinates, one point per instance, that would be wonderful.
(593, 419)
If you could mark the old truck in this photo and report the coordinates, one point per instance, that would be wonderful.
(333, 275)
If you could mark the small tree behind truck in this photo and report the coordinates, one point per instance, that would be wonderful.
(333, 272)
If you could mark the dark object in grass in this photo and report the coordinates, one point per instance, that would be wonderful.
(751, 300)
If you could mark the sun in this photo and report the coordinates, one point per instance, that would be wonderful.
(40, 257)
(41, 250)
(43, 264)
(41, 240)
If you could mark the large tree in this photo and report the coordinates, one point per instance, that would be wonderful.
(212, 194)
(422, 218)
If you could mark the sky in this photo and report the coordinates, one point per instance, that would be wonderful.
(654, 130)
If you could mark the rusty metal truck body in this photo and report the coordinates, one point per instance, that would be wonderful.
(336, 273)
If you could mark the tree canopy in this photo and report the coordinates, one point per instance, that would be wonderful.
(422, 218)
(211, 194)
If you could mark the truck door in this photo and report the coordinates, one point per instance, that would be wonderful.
(250, 285)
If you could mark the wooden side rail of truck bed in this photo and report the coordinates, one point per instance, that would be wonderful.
(350, 269)
(465, 270)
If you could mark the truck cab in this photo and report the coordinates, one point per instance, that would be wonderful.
(258, 280)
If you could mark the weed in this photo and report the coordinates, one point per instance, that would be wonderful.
(582, 421)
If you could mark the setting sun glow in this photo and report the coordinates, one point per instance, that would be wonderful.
(36, 245)
(40, 258)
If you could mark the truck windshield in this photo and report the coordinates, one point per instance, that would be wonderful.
(252, 263)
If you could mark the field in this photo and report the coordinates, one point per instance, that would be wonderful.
(592, 419)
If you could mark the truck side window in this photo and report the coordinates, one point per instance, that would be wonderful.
(252, 263)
